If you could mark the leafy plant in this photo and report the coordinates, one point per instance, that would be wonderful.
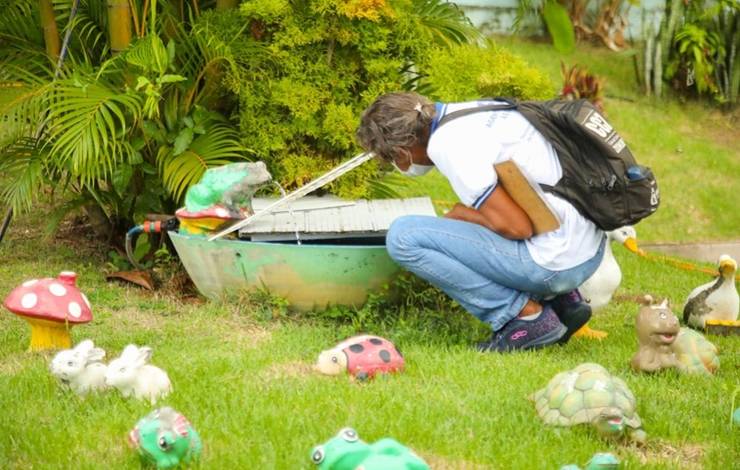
(578, 83)
(321, 64)
(697, 48)
(568, 20)
(121, 135)
(469, 72)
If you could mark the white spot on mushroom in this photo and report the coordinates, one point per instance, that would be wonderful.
(30, 283)
(57, 289)
(87, 302)
(221, 212)
(74, 309)
(29, 300)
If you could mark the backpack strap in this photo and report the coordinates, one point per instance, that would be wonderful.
(509, 105)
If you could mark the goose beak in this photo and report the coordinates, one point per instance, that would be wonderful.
(631, 244)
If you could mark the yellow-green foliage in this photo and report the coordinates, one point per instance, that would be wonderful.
(307, 69)
(468, 72)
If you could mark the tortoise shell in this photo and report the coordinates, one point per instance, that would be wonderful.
(581, 394)
(695, 354)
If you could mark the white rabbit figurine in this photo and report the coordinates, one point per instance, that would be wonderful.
(131, 374)
(80, 367)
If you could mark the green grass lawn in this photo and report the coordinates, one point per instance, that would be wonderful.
(245, 381)
(246, 385)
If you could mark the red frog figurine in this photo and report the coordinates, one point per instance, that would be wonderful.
(362, 357)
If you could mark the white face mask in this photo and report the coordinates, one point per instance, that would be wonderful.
(414, 169)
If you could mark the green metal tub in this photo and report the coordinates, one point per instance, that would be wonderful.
(337, 265)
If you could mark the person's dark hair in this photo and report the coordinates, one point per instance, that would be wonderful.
(395, 121)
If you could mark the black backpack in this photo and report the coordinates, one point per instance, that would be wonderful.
(600, 176)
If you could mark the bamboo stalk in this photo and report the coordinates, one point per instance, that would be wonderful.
(119, 23)
(51, 32)
(135, 16)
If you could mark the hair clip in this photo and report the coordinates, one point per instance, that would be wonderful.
(417, 108)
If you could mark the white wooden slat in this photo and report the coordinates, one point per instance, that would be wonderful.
(329, 215)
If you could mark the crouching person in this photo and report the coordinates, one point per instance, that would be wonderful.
(483, 253)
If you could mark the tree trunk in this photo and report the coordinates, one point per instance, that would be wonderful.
(51, 33)
(119, 23)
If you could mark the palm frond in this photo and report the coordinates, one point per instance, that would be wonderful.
(446, 23)
(22, 164)
(26, 62)
(89, 28)
(20, 21)
(148, 53)
(21, 108)
(89, 125)
(219, 145)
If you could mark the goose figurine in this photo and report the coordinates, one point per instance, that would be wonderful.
(598, 289)
(716, 300)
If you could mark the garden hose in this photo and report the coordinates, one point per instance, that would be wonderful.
(157, 226)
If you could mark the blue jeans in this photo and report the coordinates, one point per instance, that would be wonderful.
(492, 277)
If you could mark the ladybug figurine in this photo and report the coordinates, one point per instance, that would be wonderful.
(362, 357)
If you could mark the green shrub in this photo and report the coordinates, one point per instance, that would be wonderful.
(468, 72)
(307, 70)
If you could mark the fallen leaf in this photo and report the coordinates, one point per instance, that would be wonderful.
(140, 278)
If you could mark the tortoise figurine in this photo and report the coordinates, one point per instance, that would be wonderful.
(694, 353)
(590, 394)
(362, 357)
(346, 451)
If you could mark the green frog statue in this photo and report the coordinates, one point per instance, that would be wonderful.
(165, 438)
(223, 194)
(346, 451)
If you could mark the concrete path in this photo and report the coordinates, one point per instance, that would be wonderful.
(708, 252)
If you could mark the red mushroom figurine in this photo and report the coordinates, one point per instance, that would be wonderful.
(51, 306)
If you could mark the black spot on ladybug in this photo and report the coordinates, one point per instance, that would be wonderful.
(376, 341)
(385, 355)
(362, 376)
(356, 348)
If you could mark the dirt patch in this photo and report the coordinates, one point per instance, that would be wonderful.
(134, 317)
(284, 370)
(438, 462)
(244, 333)
(233, 329)
(686, 456)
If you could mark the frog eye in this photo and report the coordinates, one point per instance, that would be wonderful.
(317, 456)
(163, 444)
(663, 315)
(348, 434)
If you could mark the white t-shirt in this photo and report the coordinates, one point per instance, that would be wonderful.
(465, 149)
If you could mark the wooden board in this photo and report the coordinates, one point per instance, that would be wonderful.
(528, 195)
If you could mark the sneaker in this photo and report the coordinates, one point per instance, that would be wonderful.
(521, 334)
(572, 311)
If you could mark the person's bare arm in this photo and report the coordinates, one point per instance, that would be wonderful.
(498, 213)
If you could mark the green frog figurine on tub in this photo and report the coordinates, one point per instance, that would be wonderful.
(165, 438)
(223, 194)
(346, 451)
